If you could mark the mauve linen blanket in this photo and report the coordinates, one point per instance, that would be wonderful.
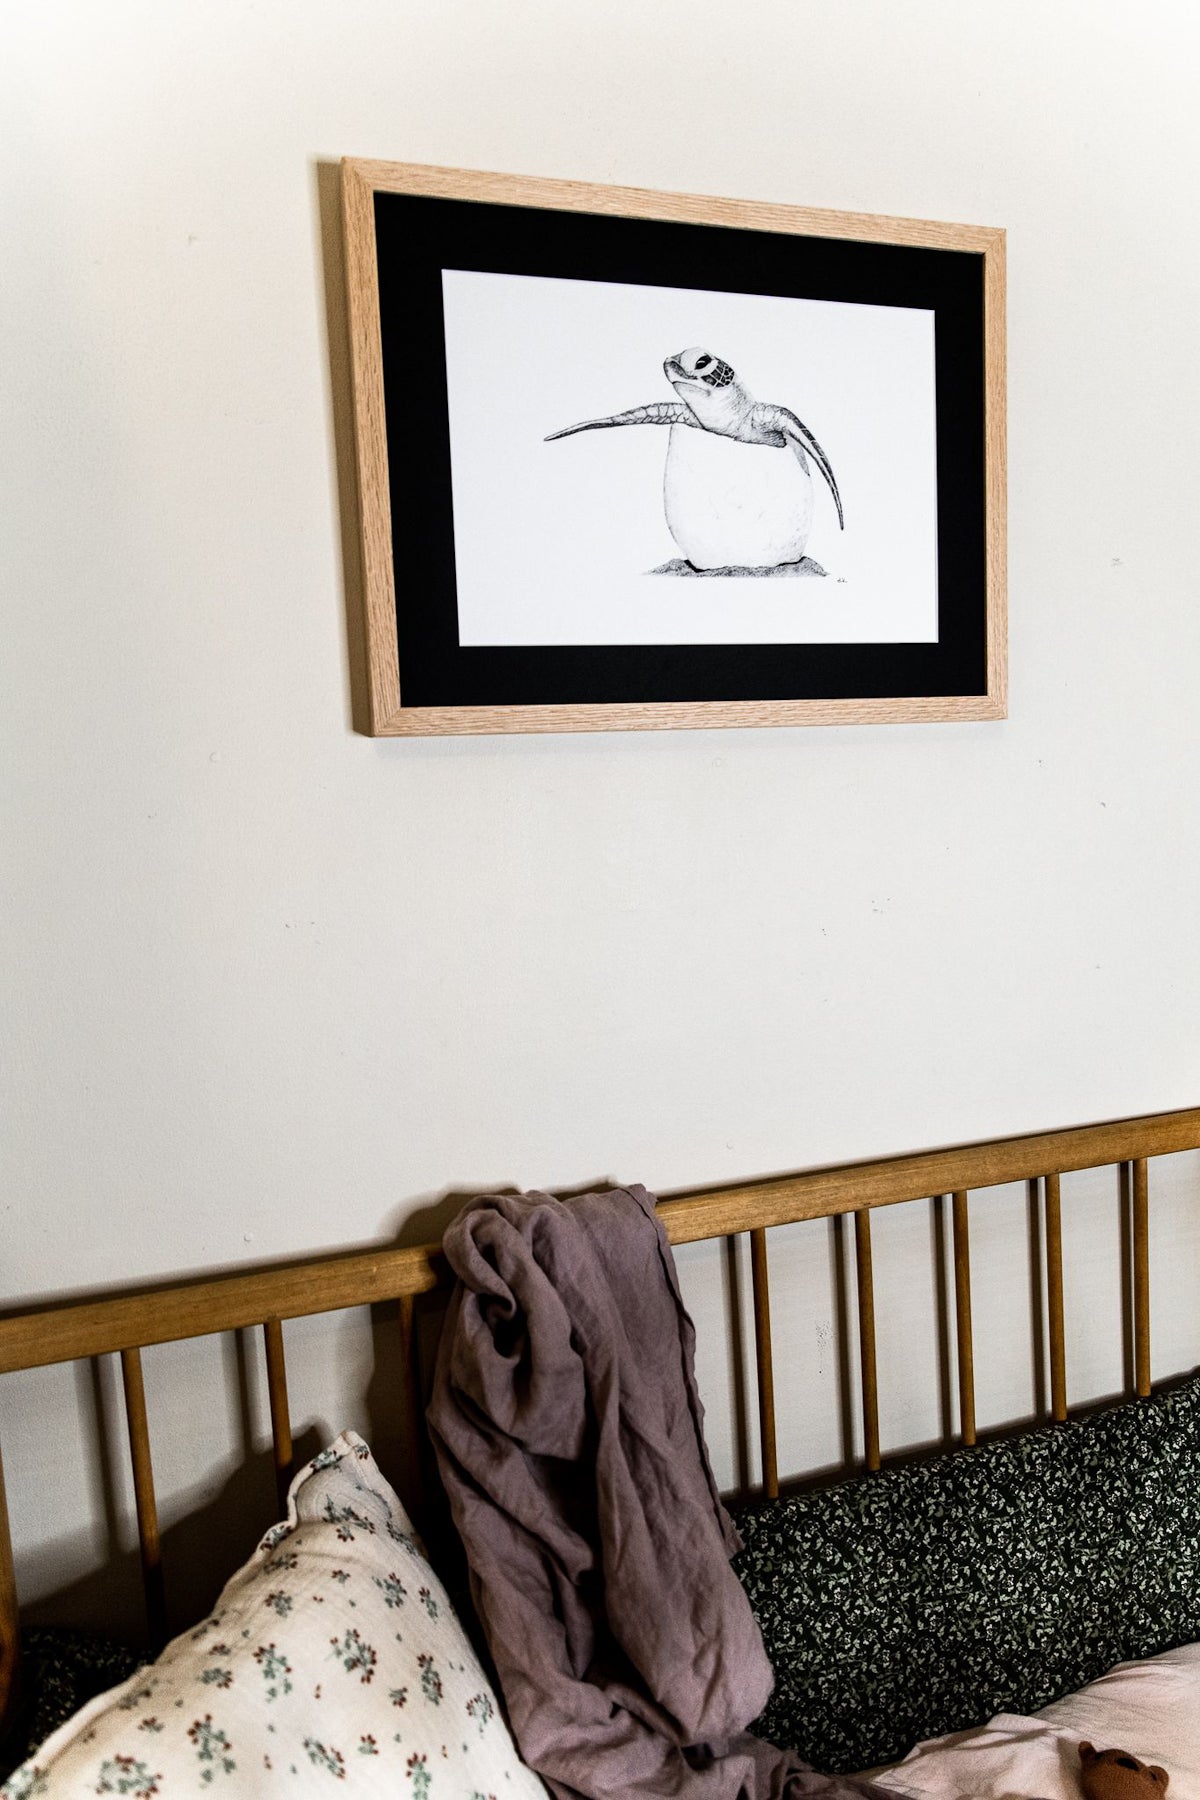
(569, 1434)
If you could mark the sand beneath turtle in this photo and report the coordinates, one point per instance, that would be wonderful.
(806, 566)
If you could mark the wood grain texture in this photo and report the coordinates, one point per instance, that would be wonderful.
(496, 189)
(158, 1315)
(965, 1339)
(370, 438)
(822, 1193)
(143, 1494)
(1141, 1276)
(1054, 1298)
(765, 1368)
(864, 1270)
(682, 715)
(281, 1419)
(996, 469)
(363, 178)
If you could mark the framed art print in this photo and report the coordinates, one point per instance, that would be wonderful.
(630, 459)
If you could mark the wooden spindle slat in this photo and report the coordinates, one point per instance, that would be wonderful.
(866, 1338)
(9, 1623)
(1141, 1277)
(413, 1436)
(962, 1316)
(143, 1493)
(281, 1418)
(762, 1355)
(1054, 1297)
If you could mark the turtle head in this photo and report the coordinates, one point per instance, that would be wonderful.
(708, 386)
(697, 368)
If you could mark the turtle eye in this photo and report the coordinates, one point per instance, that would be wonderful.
(702, 362)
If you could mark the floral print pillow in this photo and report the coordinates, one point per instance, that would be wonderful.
(332, 1657)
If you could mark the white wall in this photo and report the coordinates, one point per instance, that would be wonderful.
(274, 985)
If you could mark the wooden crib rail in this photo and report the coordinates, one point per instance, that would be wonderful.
(859, 1187)
(65, 1331)
(127, 1321)
(1052, 1226)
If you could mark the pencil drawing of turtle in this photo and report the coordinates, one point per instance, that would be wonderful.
(731, 507)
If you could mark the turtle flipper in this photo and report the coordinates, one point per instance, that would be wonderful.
(794, 432)
(658, 412)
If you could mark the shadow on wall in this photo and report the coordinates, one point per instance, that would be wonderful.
(200, 1551)
(202, 1547)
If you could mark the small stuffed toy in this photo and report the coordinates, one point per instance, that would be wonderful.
(1115, 1775)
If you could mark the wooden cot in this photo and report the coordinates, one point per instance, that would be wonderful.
(126, 1321)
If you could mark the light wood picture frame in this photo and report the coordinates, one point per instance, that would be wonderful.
(517, 560)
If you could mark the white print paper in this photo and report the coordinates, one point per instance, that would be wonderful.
(555, 541)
